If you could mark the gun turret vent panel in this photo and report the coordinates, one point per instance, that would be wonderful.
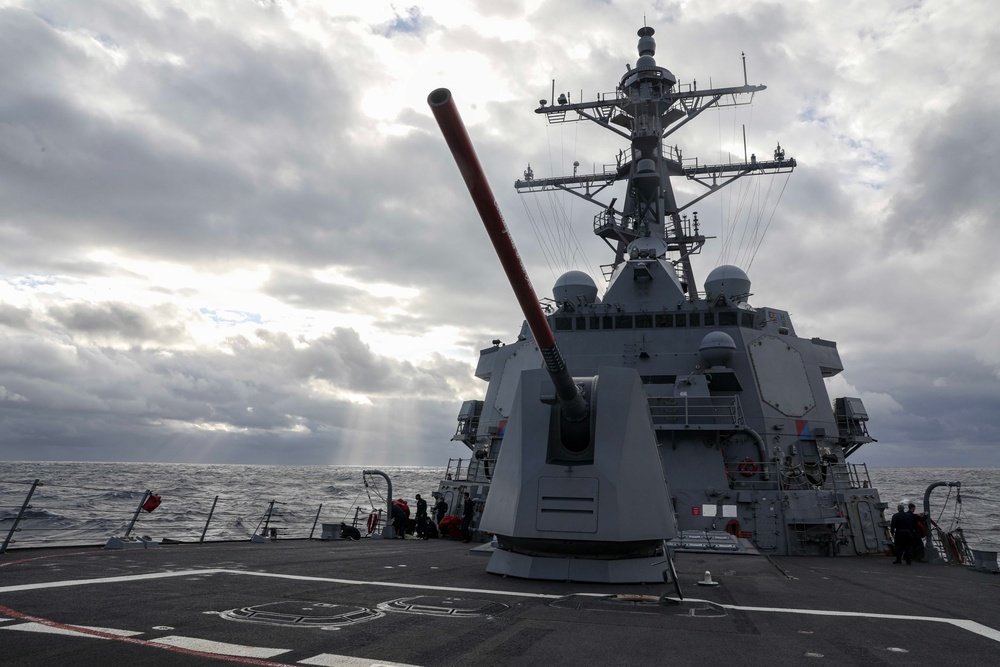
(567, 505)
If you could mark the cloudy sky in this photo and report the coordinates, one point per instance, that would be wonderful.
(231, 231)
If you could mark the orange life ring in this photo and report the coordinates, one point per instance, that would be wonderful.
(748, 467)
(733, 527)
(372, 522)
(954, 549)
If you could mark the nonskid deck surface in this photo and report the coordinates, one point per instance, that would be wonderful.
(432, 603)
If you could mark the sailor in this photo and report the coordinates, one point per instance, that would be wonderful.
(426, 529)
(349, 532)
(440, 508)
(919, 531)
(421, 508)
(399, 520)
(468, 511)
(903, 526)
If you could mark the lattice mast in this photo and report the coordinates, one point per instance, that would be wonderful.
(647, 107)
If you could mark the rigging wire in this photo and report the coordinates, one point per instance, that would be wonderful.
(743, 193)
(353, 503)
(571, 244)
(768, 225)
(552, 222)
(945, 506)
(736, 196)
(726, 201)
(573, 247)
(747, 196)
(368, 488)
(756, 226)
(544, 247)
(549, 227)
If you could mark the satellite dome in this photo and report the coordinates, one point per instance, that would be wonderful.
(728, 280)
(645, 62)
(717, 349)
(576, 287)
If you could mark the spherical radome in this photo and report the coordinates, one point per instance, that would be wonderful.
(729, 281)
(717, 349)
(576, 287)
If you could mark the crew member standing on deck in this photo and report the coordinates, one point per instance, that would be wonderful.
(468, 511)
(421, 508)
(903, 527)
(440, 508)
(920, 522)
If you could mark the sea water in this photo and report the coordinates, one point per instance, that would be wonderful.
(86, 503)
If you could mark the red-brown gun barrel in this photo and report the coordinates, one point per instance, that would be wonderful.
(446, 113)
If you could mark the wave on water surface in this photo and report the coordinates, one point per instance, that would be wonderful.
(86, 503)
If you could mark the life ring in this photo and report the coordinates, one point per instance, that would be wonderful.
(748, 467)
(953, 545)
(733, 527)
(372, 522)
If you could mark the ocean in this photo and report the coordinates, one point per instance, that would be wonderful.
(82, 503)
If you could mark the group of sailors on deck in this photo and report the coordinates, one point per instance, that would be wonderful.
(908, 528)
(423, 526)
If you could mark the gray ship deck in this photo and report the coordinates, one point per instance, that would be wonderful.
(439, 607)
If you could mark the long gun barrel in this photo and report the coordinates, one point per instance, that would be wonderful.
(574, 407)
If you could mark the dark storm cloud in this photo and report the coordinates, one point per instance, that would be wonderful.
(189, 150)
(947, 404)
(308, 292)
(262, 387)
(952, 183)
(15, 318)
(120, 321)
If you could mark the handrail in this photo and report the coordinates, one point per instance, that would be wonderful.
(69, 515)
(20, 515)
(475, 470)
(696, 410)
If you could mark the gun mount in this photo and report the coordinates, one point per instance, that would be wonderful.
(563, 502)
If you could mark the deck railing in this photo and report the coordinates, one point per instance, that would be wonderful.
(36, 514)
(688, 411)
(470, 470)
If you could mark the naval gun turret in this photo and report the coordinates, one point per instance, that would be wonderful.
(578, 492)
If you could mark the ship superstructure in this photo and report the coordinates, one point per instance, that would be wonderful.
(751, 447)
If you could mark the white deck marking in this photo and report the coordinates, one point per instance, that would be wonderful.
(104, 580)
(220, 648)
(330, 660)
(39, 627)
(394, 584)
(977, 628)
(964, 624)
(352, 582)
